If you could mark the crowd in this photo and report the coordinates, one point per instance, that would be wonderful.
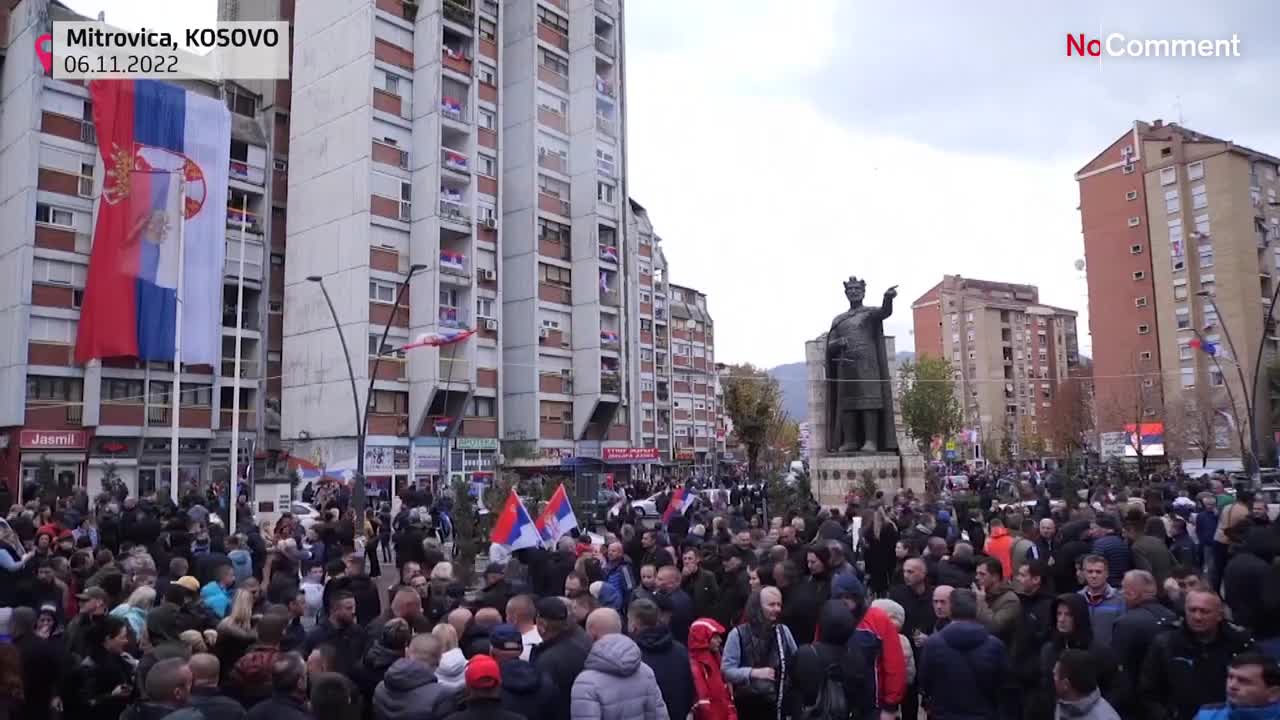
(1159, 605)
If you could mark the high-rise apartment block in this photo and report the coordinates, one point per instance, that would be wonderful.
(79, 424)
(1180, 233)
(1009, 353)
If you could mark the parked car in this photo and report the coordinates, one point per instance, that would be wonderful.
(306, 514)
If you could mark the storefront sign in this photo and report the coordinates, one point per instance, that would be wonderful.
(684, 453)
(426, 460)
(476, 443)
(114, 447)
(630, 455)
(385, 459)
(51, 440)
(557, 455)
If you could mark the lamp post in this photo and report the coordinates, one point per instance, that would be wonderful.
(1249, 398)
(362, 418)
(1231, 396)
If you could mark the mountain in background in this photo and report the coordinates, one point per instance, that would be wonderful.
(793, 380)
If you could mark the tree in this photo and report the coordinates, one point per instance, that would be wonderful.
(467, 532)
(1070, 419)
(928, 398)
(1188, 431)
(753, 401)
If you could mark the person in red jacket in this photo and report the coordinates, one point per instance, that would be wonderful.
(877, 638)
(714, 696)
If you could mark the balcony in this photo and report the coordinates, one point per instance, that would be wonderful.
(606, 88)
(454, 109)
(610, 298)
(455, 161)
(88, 134)
(605, 47)
(454, 369)
(605, 7)
(453, 263)
(238, 218)
(609, 340)
(608, 253)
(610, 382)
(248, 368)
(553, 203)
(605, 125)
(243, 171)
(249, 320)
(459, 12)
(553, 78)
(248, 419)
(456, 60)
(454, 212)
(58, 415)
(553, 161)
(451, 317)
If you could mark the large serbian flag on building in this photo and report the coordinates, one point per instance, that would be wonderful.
(159, 143)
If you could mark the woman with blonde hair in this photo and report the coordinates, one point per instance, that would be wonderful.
(135, 609)
(236, 632)
(447, 635)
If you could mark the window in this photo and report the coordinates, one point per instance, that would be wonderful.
(1183, 316)
(1127, 169)
(1140, 301)
(1135, 221)
(484, 308)
(1144, 329)
(50, 215)
(486, 213)
(1207, 285)
(391, 83)
(54, 272)
(1195, 170)
(552, 20)
(1199, 196)
(119, 390)
(242, 104)
(646, 355)
(644, 298)
(1185, 352)
(488, 120)
(551, 324)
(552, 61)
(553, 103)
(1180, 290)
(1188, 377)
(488, 30)
(274, 356)
(605, 193)
(448, 297)
(54, 388)
(52, 330)
(382, 292)
(555, 275)
(552, 231)
(487, 74)
(1202, 224)
(387, 402)
(1144, 355)
(1178, 264)
(85, 188)
(1131, 195)
(1168, 176)
(1215, 377)
(486, 165)
(482, 407)
(1211, 318)
(1139, 275)
(1171, 204)
(1206, 256)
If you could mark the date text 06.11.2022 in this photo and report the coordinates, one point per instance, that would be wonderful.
(156, 63)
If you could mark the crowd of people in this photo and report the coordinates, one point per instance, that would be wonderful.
(1158, 605)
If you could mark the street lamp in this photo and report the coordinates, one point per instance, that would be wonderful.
(362, 418)
(1249, 398)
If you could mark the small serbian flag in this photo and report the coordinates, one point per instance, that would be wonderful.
(514, 527)
(437, 339)
(680, 501)
(164, 150)
(558, 518)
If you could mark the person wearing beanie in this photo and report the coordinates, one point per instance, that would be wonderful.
(525, 691)
(483, 692)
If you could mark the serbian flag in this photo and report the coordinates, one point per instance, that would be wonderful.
(558, 518)
(158, 143)
(680, 501)
(514, 528)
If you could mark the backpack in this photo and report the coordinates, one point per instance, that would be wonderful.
(832, 702)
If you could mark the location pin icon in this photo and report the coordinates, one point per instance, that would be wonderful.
(44, 50)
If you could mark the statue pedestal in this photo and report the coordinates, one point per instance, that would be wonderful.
(833, 477)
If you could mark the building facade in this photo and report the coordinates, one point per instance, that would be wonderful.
(1180, 230)
(79, 424)
(1008, 351)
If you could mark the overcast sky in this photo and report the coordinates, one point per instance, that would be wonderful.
(781, 146)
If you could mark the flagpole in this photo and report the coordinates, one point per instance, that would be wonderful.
(176, 406)
(235, 380)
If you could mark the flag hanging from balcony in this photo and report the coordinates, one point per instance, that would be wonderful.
(436, 339)
(159, 143)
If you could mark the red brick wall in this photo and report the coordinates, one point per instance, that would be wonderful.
(488, 138)
(54, 238)
(58, 182)
(551, 37)
(383, 153)
(487, 185)
(384, 207)
(393, 54)
(60, 125)
(386, 102)
(489, 49)
(479, 427)
(121, 414)
(379, 312)
(486, 377)
(925, 322)
(553, 293)
(39, 353)
(385, 260)
(552, 120)
(51, 295)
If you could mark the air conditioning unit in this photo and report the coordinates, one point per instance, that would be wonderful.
(489, 223)
(544, 332)
(490, 324)
(487, 274)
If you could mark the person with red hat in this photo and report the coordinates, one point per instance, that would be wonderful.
(714, 699)
(483, 692)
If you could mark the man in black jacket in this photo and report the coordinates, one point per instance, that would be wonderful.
(563, 650)
(340, 630)
(205, 695)
(359, 585)
(525, 691)
(1143, 619)
(1034, 627)
(668, 659)
(1187, 667)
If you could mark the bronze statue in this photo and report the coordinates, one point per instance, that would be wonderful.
(859, 397)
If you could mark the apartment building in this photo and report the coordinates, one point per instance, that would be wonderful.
(114, 416)
(1008, 350)
(697, 426)
(1179, 229)
(1214, 222)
